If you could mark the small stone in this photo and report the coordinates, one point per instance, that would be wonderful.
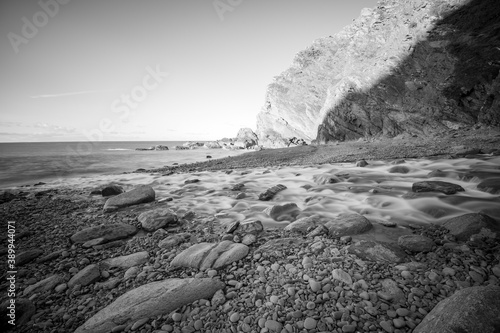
(399, 322)
(402, 312)
(406, 275)
(176, 317)
(273, 325)
(448, 271)
(386, 325)
(234, 317)
(315, 285)
(310, 323)
(339, 274)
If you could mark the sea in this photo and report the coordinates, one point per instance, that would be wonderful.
(28, 163)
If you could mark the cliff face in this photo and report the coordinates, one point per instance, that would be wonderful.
(406, 66)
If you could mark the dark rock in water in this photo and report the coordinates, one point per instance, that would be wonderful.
(208, 156)
(248, 227)
(191, 181)
(399, 169)
(361, 163)
(416, 243)
(210, 255)
(150, 300)
(180, 148)
(348, 224)
(326, 178)
(271, 192)
(413, 195)
(490, 185)
(140, 194)
(111, 190)
(471, 310)
(157, 218)
(437, 186)
(109, 232)
(286, 212)
(27, 256)
(378, 251)
(237, 187)
(464, 226)
(6, 196)
(24, 310)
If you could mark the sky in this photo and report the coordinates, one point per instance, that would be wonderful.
(165, 70)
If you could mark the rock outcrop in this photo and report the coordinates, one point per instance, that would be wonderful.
(417, 67)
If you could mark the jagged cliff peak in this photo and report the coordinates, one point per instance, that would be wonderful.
(406, 66)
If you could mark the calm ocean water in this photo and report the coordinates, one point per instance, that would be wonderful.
(29, 163)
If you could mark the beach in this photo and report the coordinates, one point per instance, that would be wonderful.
(291, 233)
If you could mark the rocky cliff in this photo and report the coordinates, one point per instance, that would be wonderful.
(406, 66)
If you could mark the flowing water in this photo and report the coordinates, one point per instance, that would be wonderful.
(372, 191)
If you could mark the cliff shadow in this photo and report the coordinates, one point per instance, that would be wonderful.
(450, 79)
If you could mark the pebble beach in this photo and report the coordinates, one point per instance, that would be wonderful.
(364, 243)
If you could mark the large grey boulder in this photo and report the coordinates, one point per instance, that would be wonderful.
(471, 310)
(464, 226)
(490, 185)
(285, 212)
(44, 285)
(108, 232)
(140, 194)
(436, 186)
(150, 300)
(348, 224)
(210, 255)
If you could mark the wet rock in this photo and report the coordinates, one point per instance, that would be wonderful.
(490, 185)
(416, 243)
(271, 192)
(111, 190)
(157, 218)
(27, 256)
(108, 232)
(464, 226)
(377, 251)
(390, 291)
(44, 285)
(361, 163)
(140, 194)
(286, 212)
(150, 300)
(210, 255)
(471, 310)
(399, 169)
(127, 261)
(436, 186)
(86, 276)
(326, 178)
(348, 224)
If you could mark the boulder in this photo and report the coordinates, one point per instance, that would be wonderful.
(326, 178)
(286, 212)
(174, 240)
(134, 259)
(377, 251)
(140, 194)
(248, 227)
(436, 186)
(464, 226)
(348, 224)
(416, 243)
(108, 232)
(155, 219)
(399, 169)
(210, 255)
(271, 192)
(150, 300)
(212, 145)
(111, 190)
(490, 185)
(471, 310)
(86, 276)
(247, 137)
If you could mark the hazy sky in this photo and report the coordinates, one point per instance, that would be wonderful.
(150, 69)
